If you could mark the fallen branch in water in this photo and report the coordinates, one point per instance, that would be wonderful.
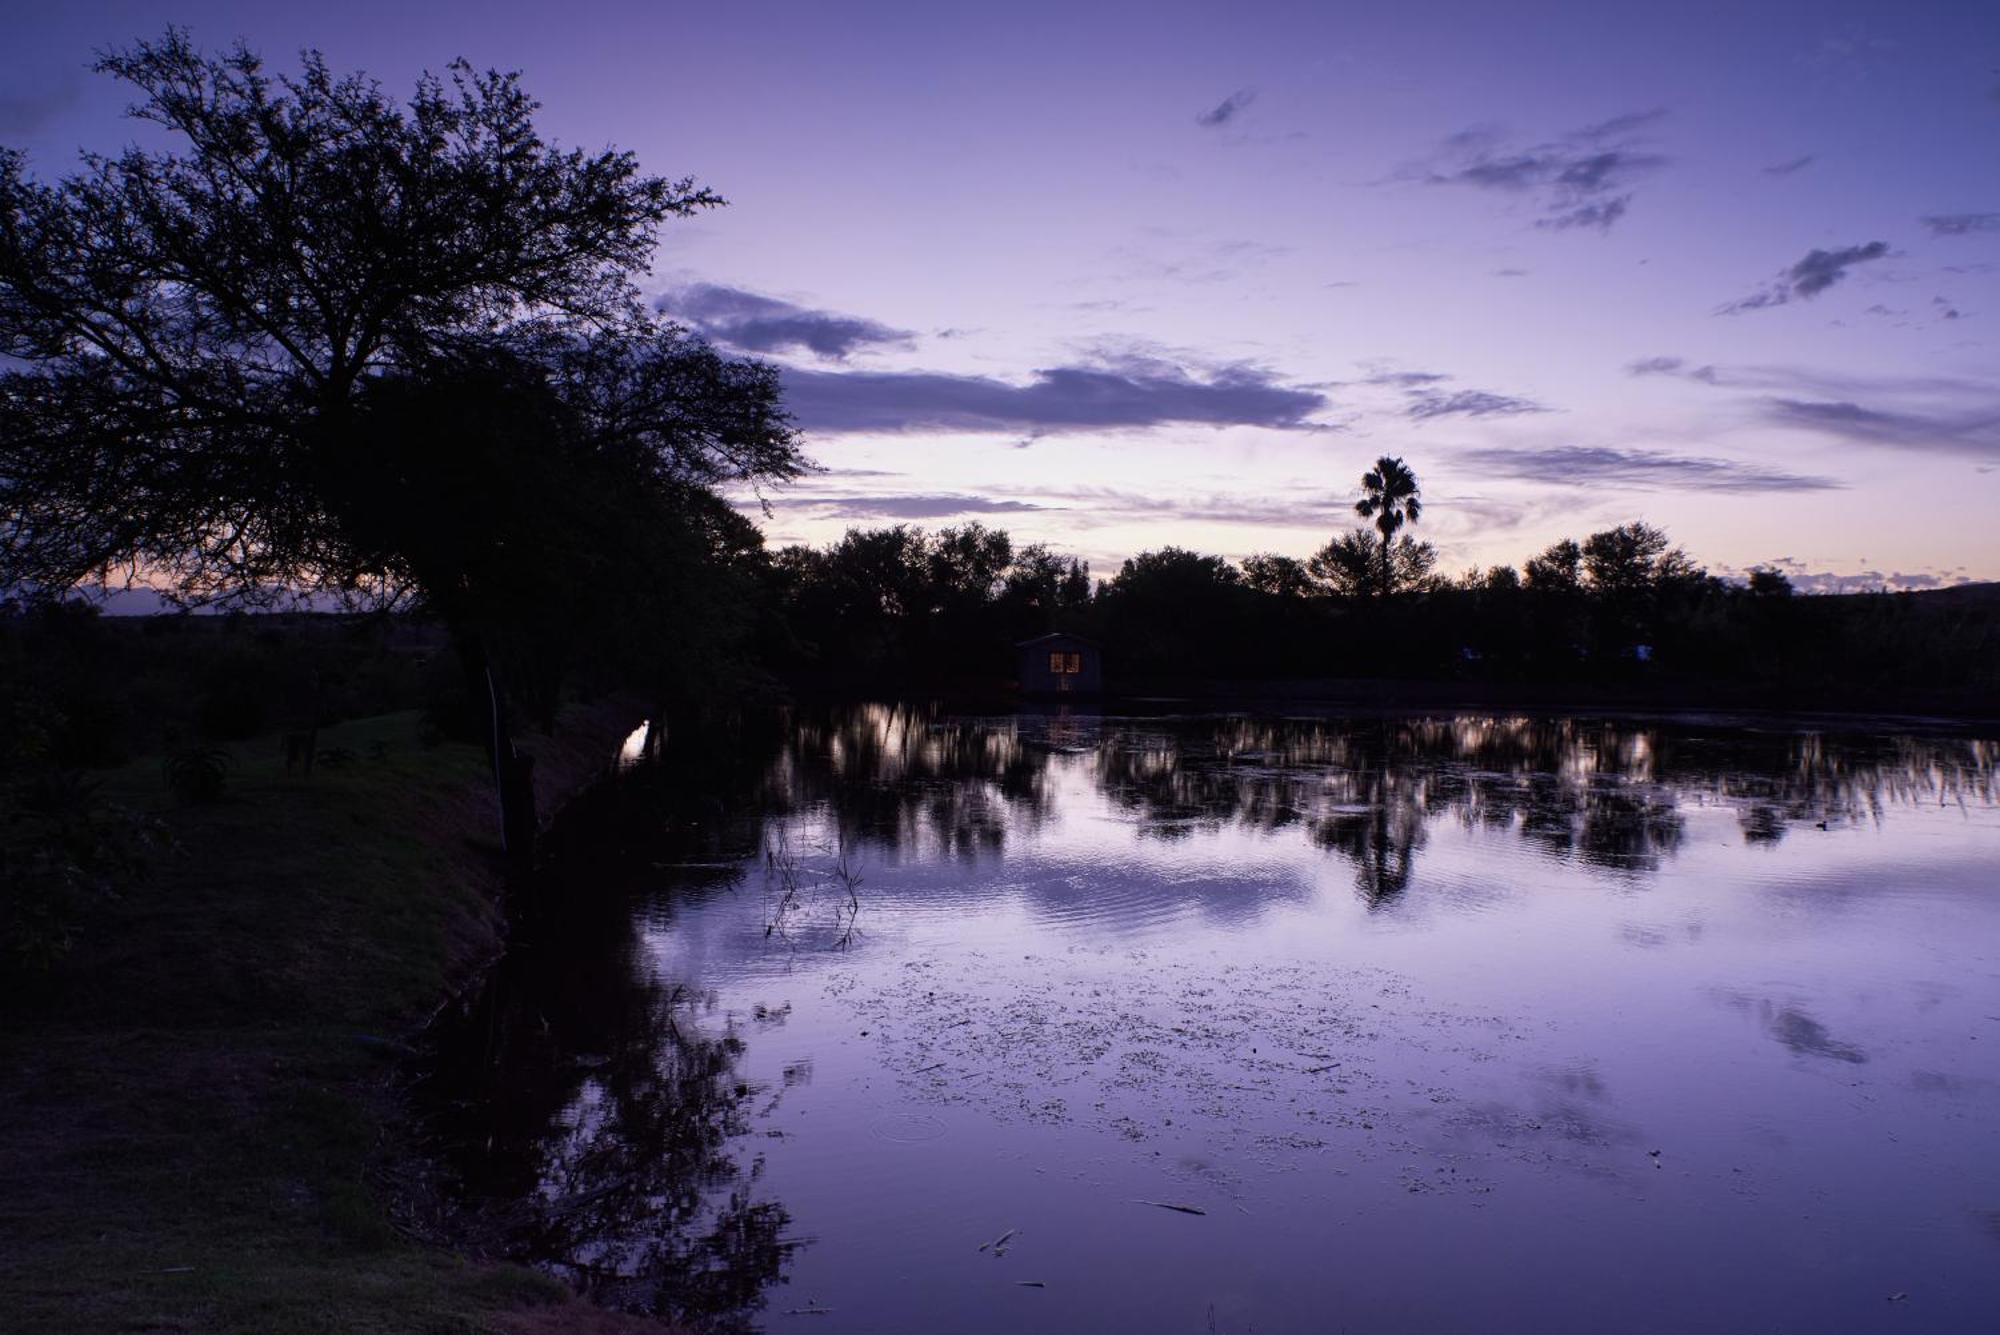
(1000, 1241)
(1169, 1205)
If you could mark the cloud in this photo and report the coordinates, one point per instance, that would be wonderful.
(1228, 109)
(1580, 180)
(1405, 379)
(1787, 168)
(1673, 366)
(1599, 215)
(1973, 431)
(1961, 224)
(1582, 465)
(752, 322)
(1108, 395)
(913, 507)
(1090, 506)
(1860, 581)
(1429, 403)
(26, 113)
(1814, 274)
(1935, 414)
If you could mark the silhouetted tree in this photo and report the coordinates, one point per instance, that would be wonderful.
(1634, 558)
(198, 333)
(1354, 565)
(1389, 494)
(1175, 610)
(1557, 570)
(1279, 576)
(1766, 582)
(197, 327)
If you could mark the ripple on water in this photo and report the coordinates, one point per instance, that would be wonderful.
(907, 1128)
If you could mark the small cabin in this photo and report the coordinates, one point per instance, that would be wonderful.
(1060, 664)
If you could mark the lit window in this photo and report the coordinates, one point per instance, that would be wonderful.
(1076, 662)
(1056, 663)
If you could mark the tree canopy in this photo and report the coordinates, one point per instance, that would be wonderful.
(203, 338)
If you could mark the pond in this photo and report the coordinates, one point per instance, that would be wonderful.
(894, 1020)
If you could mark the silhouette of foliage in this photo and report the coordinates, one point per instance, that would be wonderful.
(234, 360)
(197, 773)
(1389, 495)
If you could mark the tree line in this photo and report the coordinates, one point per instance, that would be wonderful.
(897, 607)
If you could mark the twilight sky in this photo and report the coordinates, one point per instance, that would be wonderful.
(1116, 276)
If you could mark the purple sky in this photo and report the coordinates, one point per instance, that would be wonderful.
(1115, 276)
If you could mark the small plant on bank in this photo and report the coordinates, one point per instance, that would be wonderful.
(198, 773)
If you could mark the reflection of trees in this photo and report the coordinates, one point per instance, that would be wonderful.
(1602, 793)
(592, 1119)
(1605, 794)
(901, 778)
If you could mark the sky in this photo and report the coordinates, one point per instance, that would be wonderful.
(1114, 277)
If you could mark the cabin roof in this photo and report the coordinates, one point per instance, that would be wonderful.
(1055, 635)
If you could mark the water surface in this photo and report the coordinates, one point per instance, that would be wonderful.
(899, 1021)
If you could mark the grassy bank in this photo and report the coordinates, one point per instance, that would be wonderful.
(198, 1122)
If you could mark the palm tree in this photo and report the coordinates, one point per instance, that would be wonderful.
(1390, 496)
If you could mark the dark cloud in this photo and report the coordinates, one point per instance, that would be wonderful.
(1821, 269)
(1428, 403)
(752, 322)
(1961, 224)
(1582, 465)
(1108, 396)
(1814, 274)
(1405, 379)
(1581, 180)
(1228, 108)
(1510, 273)
(1787, 168)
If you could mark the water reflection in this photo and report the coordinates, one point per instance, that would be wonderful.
(1603, 793)
(595, 1103)
(594, 1113)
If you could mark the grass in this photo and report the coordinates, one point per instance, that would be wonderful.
(198, 1125)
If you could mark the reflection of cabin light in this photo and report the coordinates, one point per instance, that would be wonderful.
(633, 749)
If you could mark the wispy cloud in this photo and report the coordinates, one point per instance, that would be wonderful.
(1584, 465)
(1582, 179)
(932, 506)
(1105, 395)
(1972, 431)
(1814, 274)
(1787, 168)
(752, 322)
(1961, 224)
(1674, 366)
(26, 112)
(1934, 414)
(1228, 109)
(1426, 404)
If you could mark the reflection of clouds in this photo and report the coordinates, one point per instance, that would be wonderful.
(1809, 1038)
(1793, 1027)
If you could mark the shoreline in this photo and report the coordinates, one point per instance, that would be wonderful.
(204, 1123)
